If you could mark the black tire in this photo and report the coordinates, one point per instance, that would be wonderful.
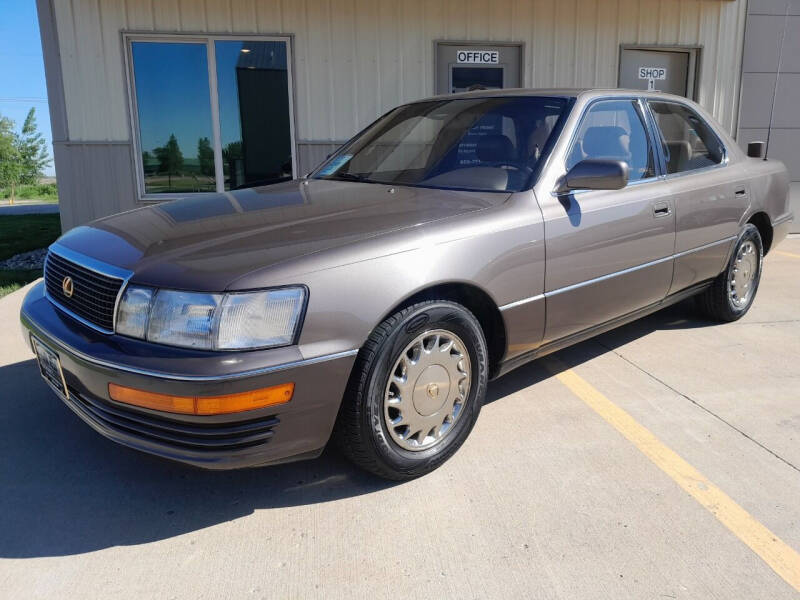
(361, 430)
(716, 302)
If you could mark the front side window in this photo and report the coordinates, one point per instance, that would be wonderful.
(689, 142)
(183, 147)
(492, 144)
(614, 130)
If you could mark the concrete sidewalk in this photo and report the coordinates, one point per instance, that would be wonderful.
(545, 499)
(28, 208)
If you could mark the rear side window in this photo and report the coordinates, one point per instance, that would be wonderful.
(689, 142)
(614, 130)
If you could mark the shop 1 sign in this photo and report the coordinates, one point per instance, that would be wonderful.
(482, 57)
(652, 73)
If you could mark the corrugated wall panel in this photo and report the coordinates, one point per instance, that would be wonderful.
(357, 58)
(167, 14)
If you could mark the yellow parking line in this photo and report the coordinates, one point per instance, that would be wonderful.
(783, 559)
(790, 254)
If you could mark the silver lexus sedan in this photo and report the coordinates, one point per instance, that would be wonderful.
(369, 303)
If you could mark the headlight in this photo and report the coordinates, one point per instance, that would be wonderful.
(234, 321)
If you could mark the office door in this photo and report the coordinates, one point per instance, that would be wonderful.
(461, 67)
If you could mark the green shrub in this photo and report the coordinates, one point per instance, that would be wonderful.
(39, 191)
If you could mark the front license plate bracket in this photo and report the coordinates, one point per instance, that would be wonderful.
(50, 367)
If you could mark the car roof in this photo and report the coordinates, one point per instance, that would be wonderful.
(555, 92)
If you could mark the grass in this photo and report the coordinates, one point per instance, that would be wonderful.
(13, 279)
(22, 233)
(45, 192)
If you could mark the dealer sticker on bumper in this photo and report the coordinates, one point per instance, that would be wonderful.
(50, 367)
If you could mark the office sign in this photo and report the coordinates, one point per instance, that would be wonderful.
(479, 57)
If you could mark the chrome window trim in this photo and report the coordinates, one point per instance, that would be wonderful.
(608, 276)
(91, 264)
(656, 179)
(176, 376)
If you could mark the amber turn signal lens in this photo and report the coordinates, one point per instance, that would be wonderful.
(203, 405)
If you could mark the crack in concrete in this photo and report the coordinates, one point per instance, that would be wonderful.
(700, 406)
(767, 322)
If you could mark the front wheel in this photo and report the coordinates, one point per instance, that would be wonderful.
(415, 392)
(732, 293)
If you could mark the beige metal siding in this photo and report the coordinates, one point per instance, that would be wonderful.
(357, 58)
(94, 180)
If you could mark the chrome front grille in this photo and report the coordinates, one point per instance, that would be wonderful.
(94, 295)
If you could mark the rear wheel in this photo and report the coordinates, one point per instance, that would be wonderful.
(733, 291)
(415, 392)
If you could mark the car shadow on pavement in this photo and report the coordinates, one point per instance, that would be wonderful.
(682, 315)
(66, 490)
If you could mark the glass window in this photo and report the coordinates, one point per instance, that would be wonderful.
(175, 128)
(253, 84)
(490, 144)
(179, 141)
(465, 79)
(614, 130)
(689, 142)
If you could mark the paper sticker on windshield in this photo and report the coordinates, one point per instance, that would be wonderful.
(334, 165)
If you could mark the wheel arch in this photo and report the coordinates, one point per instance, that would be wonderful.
(477, 301)
(762, 222)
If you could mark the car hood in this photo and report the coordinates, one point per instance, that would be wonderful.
(205, 243)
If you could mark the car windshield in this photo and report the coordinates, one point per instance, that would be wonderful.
(481, 144)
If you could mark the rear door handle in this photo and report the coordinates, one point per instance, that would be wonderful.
(741, 193)
(661, 209)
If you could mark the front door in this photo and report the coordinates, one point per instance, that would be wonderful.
(609, 252)
(463, 67)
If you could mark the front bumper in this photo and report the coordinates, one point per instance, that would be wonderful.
(90, 361)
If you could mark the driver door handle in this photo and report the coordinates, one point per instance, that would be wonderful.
(661, 209)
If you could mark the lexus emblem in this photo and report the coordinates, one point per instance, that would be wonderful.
(67, 287)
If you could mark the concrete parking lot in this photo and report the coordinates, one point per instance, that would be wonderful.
(660, 460)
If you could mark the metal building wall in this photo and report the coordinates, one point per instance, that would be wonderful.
(771, 85)
(354, 59)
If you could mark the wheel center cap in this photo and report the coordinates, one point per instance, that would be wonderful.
(431, 390)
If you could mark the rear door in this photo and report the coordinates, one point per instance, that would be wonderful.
(609, 252)
(709, 196)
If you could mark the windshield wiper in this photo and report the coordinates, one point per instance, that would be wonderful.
(360, 177)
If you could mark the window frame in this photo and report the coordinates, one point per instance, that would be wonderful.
(644, 113)
(208, 39)
(661, 142)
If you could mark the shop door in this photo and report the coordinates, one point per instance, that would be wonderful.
(464, 67)
(666, 70)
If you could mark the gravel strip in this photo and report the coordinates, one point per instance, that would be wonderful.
(27, 260)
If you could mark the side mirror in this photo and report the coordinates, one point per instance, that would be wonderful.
(595, 174)
(756, 149)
